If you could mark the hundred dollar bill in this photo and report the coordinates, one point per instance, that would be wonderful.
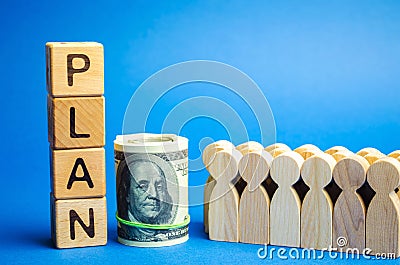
(152, 189)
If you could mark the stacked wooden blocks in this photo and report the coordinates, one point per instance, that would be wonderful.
(334, 200)
(75, 106)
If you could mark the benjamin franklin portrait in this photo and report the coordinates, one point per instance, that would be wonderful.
(143, 195)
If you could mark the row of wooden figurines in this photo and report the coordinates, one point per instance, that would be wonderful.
(302, 198)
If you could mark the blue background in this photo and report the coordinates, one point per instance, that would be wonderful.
(329, 69)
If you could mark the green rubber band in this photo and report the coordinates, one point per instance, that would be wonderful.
(151, 226)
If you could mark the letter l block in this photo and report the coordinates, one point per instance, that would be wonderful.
(76, 122)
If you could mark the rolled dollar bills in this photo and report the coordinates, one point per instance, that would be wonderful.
(152, 189)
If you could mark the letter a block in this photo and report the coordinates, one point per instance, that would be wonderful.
(78, 173)
(79, 223)
(76, 122)
(75, 69)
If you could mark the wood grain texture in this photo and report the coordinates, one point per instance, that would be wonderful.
(254, 217)
(208, 156)
(78, 173)
(210, 184)
(223, 213)
(349, 213)
(383, 216)
(367, 150)
(210, 150)
(254, 168)
(398, 190)
(271, 147)
(254, 203)
(89, 120)
(88, 82)
(285, 205)
(317, 208)
(335, 149)
(68, 232)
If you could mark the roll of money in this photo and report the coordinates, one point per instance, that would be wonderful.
(152, 189)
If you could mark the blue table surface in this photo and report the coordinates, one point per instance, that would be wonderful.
(26, 240)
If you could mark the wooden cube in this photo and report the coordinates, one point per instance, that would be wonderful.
(79, 222)
(76, 122)
(75, 69)
(78, 173)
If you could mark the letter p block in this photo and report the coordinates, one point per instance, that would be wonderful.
(75, 69)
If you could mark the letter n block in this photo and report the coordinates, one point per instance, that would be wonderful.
(78, 173)
(79, 223)
(76, 122)
(75, 69)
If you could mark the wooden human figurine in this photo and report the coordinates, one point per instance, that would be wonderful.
(304, 147)
(307, 150)
(208, 156)
(210, 150)
(250, 146)
(383, 215)
(398, 190)
(285, 204)
(224, 201)
(307, 153)
(395, 154)
(372, 157)
(254, 203)
(245, 148)
(339, 155)
(368, 150)
(271, 147)
(277, 151)
(349, 212)
(317, 208)
(335, 149)
(208, 187)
